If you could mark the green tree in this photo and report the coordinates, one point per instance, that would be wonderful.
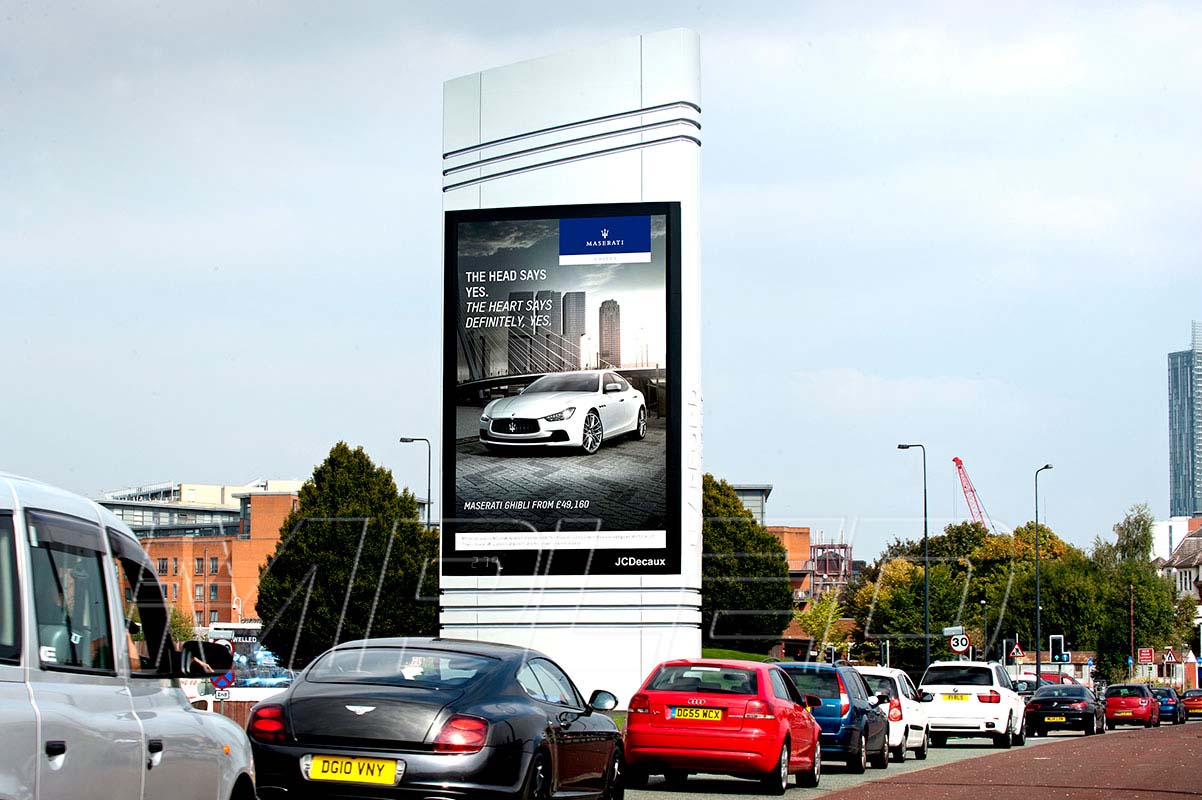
(182, 629)
(819, 619)
(349, 562)
(746, 595)
(1134, 534)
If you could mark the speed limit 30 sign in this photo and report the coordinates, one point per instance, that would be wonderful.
(959, 643)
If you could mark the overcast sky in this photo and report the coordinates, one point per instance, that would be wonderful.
(220, 241)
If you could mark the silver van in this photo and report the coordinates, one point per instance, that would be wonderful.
(90, 701)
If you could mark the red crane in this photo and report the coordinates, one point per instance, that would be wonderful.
(970, 493)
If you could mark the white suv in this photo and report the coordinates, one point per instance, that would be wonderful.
(973, 699)
(90, 701)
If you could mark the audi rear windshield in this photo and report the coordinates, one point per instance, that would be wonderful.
(399, 666)
(705, 680)
(958, 676)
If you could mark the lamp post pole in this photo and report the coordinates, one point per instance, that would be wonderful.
(985, 630)
(1038, 607)
(926, 562)
(429, 499)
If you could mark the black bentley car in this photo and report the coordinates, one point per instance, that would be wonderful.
(426, 718)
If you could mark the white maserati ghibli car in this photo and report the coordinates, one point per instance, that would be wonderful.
(566, 409)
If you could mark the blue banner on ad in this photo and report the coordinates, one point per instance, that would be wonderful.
(605, 240)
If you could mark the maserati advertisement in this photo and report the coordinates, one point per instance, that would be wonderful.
(558, 386)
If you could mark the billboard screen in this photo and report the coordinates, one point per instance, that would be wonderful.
(561, 418)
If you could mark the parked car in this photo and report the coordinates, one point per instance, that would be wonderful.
(86, 710)
(908, 729)
(854, 721)
(437, 717)
(973, 699)
(1131, 704)
(1171, 707)
(740, 718)
(1192, 701)
(1065, 707)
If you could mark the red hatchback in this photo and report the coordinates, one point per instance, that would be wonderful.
(738, 718)
(1131, 704)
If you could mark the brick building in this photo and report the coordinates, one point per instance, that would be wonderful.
(797, 551)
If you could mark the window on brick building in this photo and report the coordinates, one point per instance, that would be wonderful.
(162, 566)
(212, 565)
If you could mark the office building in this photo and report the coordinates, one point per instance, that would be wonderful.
(574, 321)
(1185, 429)
(611, 335)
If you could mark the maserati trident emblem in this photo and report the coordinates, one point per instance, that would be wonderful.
(513, 426)
(360, 710)
(605, 233)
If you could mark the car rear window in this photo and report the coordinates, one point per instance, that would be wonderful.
(881, 684)
(822, 682)
(1193, 693)
(1163, 692)
(957, 676)
(400, 666)
(704, 679)
(1126, 691)
(1059, 691)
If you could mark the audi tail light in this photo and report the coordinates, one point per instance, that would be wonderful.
(267, 724)
(640, 704)
(461, 734)
(757, 709)
(992, 697)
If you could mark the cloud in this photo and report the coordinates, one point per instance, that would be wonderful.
(484, 239)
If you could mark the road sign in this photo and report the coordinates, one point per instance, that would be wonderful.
(955, 630)
(1089, 661)
(1147, 655)
(1017, 651)
(221, 694)
(1169, 658)
(223, 681)
(959, 643)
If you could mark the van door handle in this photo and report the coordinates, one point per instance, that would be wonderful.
(155, 746)
(55, 747)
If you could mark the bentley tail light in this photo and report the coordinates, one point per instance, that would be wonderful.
(267, 724)
(461, 734)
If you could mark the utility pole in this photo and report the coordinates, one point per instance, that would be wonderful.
(1131, 601)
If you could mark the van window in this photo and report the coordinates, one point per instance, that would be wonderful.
(150, 648)
(70, 599)
(10, 617)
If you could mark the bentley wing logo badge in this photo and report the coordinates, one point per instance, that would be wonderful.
(360, 710)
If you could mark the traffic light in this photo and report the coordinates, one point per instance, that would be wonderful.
(882, 652)
(832, 654)
(1056, 648)
(1007, 649)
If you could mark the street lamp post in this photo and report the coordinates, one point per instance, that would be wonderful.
(926, 562)
(429, 499)
(985, 630)
(1038, 607)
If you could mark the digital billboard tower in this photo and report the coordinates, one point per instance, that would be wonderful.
(571, 480)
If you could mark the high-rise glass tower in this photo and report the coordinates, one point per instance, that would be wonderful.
(573, 327)
(1185, 429)
(611, 334)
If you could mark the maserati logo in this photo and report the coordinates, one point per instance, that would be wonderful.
(359, 711)
(513, 426)
(605, 233)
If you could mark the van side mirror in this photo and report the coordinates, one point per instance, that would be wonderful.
(203, 660)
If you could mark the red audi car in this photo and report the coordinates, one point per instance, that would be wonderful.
(738, 718)
(1131, 704)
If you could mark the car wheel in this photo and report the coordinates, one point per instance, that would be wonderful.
(1020, 735)
(615, 783)
(590, 440)
(640, 428)
(1179, 721)
(939, 739)
(880, 760)
(538, 779)
(899, 752)
(776, 780)
(1091, 727)
(1148, 724)
(858, 762)
(1003, 739)
(810, 777)
(924, 748)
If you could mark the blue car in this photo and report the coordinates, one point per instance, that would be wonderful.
(854, 721)
(1171, 707)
